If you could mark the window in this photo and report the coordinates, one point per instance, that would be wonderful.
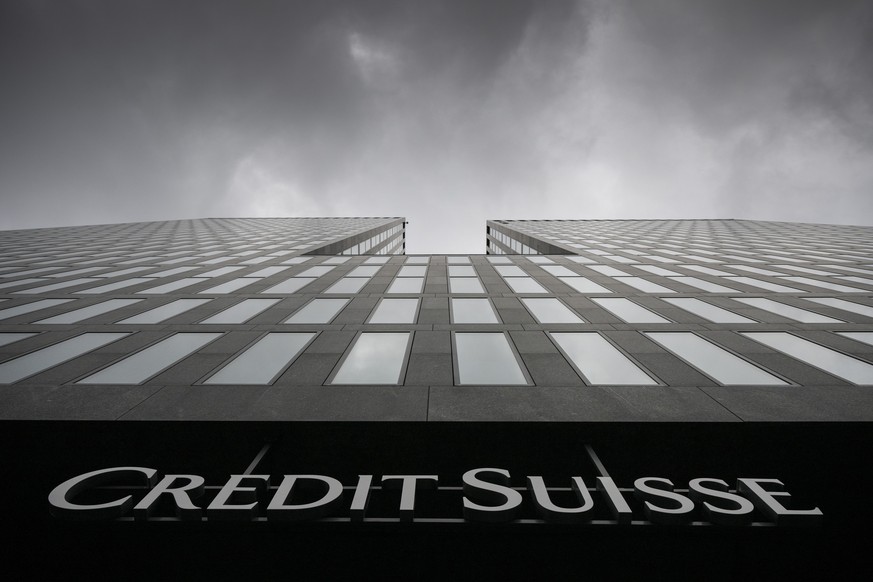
(375, 358)
(49, 357)
(644, 285)
(550, 310)
(831, 361)
(242, 311)
(860, 336)
(144, 364)
(417, 260)
(825, 285)
(291, 285)
(52, 287)
(487, 358)
(165, 312)
(598, 361)
(406, 285)
(704, 285)
(628, 310)
(30, 307)
(470, 285)
(524, 285)
(473, 311)
(412, 271)
(316, 271)
(458, 260)
(849, 306)
(172, 286)
(395, 311)
(8, 338)
(264, 360)
(707, 310)
(718, 363)
(558, 271)
(765, 285)
(318, 311)
(795, 313)
(584, 285)
(229, 286)
(607, 270)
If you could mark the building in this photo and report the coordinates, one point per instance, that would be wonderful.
(608, 351)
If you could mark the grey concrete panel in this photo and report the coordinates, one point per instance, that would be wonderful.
(432, 342)
(551, 370)
(39, 402)
(309, 370)
(796, 403)
(429, 370)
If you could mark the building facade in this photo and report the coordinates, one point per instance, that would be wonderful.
(695, 354)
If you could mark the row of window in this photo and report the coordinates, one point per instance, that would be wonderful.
(481, 358)
(546, 310)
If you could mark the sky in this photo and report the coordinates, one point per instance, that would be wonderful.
(447, 113)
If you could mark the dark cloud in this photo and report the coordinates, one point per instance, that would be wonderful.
(446, 112)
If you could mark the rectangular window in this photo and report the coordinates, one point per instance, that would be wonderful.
(524, 285)
(584, 285)
(859, 336)
(510, 271)
(629, 311)
(704, 285)
(316, 271)
(458, 260)
(412, 271)
(473, 311)
(52, 287)
(558, 271)
(718, 363)
(795, 313)
(765, 285)
(9, 338)
(598, 361)
(270, 271)
(540, 260)
(219, 272)
(375, 358)
(264, 360)
(229, 286)
(831, 361)
(172, 286)
(318, 311)
(84, 313)
(31, 307)
(704, 270)
(395, 311)
(336, 260)
(756, 270)
(644, 285)
(825, 285)
(291, 285)
(707, 310)
(804, 270)
(550, 310)
(376, 260)
(170, 272)
(364, 271)
(417, 260)
(117, 285)
(607, 270)
(165, 312)
(499, 260)
(469, 285)
(406, 285)
(49, 357)
(154, 359)
(487, 359)
(461, 271)
(242, 311)
(347, 285)
(849, 306)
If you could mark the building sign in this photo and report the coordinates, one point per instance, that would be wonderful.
(484, 496)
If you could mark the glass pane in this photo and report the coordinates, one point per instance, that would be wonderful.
(718, 363)
(473, 311)
(707, 310)
(628, 310)
(290, 285)
(765, 285)
(242, 311)
(165, 312)
(524, 285)
(461, 271)
(607, 270)
(861, 336)
(458, 260)
(795, 313)
(704, 285)
(558, 271)
(395, 311)
(849, 306)
(831, 361)
(584, 285)
(654, 270)
(599, 361)
(376, 358)
(825, 285)
(499, 260)
(229, 286)
(550, 310)
(465, 285)
(219, 272)
(62, 285)
(30, 307)
(487, 358)
(118, 285)
(510, 271)
(540, 260)
(269, 271)
(51, 356)
(406, 285)
(171, 286)
(318, 311)
(412, 271)
(143, 365)
(376, 260)
(644, 285)
(8, 338)
(364, 271)
(78, 315)
(417, 260)
(260, 363)
(316, 271)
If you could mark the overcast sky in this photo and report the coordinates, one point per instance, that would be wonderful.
(447, 113)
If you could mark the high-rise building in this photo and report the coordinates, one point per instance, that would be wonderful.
(623, 397)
